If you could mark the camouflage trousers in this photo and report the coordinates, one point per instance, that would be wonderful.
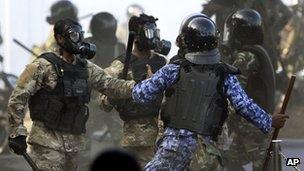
(52, 160)
(242, 153)
(207, 157)
(249, 145)
(174, 153)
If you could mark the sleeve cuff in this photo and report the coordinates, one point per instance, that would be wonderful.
(20, 130)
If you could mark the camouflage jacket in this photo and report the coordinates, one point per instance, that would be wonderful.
(136, 132)
(41, 74)
(248, 64)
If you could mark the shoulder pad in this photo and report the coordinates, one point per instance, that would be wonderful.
(51, 57)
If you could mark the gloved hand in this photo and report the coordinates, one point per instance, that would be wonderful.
(18, 144)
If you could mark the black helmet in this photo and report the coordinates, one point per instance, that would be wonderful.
(103, 25)
(198, 33)
(244, 27)
(62, 9)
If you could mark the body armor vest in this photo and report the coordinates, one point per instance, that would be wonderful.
(128, 109)
(64, 108)
(197, 101)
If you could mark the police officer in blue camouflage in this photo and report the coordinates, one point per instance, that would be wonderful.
(197, 89)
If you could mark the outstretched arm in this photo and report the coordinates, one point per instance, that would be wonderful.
(245, 105)
(147, 90)
(107, 85)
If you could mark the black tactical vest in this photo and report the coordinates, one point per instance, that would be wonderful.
(64, 108)
(197, 102)
(128, 109)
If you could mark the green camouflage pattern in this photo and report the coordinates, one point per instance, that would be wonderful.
(249, 143)
(207, 157)
(41, 74)
(139, 135)
(48, 159)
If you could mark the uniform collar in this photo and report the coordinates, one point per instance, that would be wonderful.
(210, 57)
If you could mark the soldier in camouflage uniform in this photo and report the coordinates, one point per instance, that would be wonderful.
(242, 40)
(59, 10)
(57, 88)
(140, 126)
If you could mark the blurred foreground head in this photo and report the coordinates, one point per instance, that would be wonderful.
(115, 159)
(62, 9)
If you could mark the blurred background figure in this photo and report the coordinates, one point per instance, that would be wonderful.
(272, 11)
(1, 40)
(7, 83)
(59, 10)
(122, 30)
(105, 127)
(115, 159)
(292, 51)
(221, 9)
(103, 27)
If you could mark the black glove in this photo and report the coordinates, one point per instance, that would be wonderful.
(18, 144)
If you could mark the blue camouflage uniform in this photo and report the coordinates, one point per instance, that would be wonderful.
(177, 146)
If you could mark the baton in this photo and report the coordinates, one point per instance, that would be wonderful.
(24, 47)
(30, 161)
(277, 130)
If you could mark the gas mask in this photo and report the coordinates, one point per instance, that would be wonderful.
(150, 39)
(73, 43)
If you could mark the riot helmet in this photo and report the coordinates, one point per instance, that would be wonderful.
(198, 33)
(103, 26)
(244, 27)
(147, 34)
(72, 34)
(62, 9)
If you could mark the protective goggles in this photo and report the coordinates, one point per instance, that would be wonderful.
(75, 34)
(151, 31)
